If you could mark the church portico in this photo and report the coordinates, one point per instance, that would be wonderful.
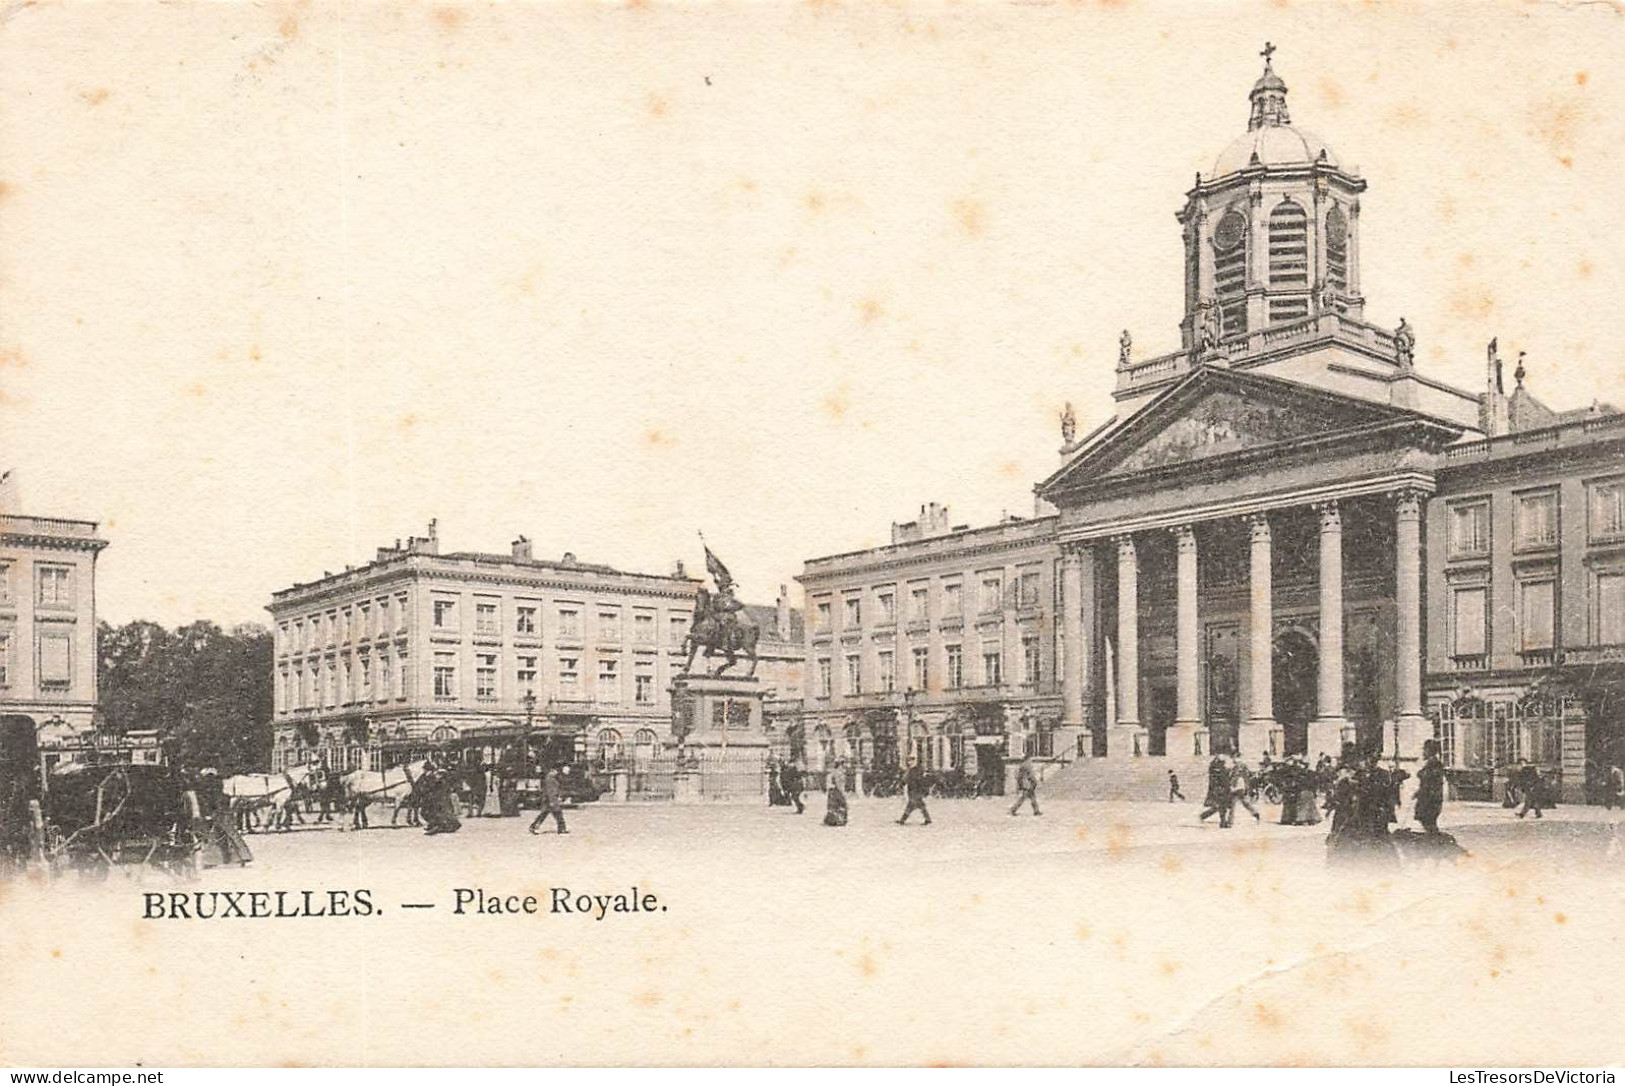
(1195, 620)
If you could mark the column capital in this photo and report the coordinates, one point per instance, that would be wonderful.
(1408, 502)
(1125, 544)
(1184, 535)
(1259, 525)
(1331, 515)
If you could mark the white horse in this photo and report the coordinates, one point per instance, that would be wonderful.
(363, 787)
(250, 794)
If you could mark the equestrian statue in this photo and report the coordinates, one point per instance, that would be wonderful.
(719, 624)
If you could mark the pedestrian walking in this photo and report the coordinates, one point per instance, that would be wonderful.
(1527, 780)
(1219, 799)
(790, 783)
(552, 803)
(1430, 787)
(1026, 786)
(834, 803)
(914, 783)
(1173, 788)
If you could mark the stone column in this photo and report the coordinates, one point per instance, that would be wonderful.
(1325, 732)
(1406, 738)
(1180, 740)
(1128, 644)
(1072, 672)
(1259, 719)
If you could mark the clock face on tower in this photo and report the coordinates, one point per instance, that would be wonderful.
(1232, 228)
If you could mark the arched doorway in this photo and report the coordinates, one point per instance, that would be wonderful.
(1296, 677)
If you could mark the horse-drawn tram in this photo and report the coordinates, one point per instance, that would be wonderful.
(506, 761)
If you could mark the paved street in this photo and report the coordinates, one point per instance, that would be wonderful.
(1101, 932)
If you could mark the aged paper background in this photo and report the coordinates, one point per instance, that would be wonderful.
(280, 282)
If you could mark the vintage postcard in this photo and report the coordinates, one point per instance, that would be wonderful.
(812, 534)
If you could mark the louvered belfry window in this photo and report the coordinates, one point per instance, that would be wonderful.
(1230, 271)
(1289, 262)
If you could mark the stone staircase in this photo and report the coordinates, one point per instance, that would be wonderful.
(1144, 779)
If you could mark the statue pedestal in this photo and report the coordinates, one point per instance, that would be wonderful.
(717, 711)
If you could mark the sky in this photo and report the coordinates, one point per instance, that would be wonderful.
(281, 283)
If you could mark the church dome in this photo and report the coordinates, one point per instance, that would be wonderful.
(1273, 145)
(1270, 139)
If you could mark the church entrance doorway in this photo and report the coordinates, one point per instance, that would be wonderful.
(1296, 676)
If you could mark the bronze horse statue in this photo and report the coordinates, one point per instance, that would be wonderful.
(719, 630)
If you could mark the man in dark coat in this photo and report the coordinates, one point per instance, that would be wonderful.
(1430, 787)
(1219, 799)
(1026, 786)
(790, 784)
(552, 802)
(914, 783)
(1527, 779)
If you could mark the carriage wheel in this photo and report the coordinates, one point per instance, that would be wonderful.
(1272, 793)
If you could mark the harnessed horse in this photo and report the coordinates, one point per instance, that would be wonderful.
(250, 794)
(364, 787)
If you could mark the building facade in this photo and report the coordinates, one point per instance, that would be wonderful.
(418, 648)
(937, 647)
(1287, 538)
(48, 646)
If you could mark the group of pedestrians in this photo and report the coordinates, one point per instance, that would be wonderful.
(1229, 782)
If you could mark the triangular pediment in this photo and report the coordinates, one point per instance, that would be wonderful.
(1215, 414)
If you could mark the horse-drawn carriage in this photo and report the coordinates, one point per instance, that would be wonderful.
(89, 817)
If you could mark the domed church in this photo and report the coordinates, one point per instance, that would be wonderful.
(1288, 539)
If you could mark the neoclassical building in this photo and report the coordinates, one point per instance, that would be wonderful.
(1288, 537)
(421, 647)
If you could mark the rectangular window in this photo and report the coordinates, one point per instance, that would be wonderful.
(55, 586)
(569, 671)
(822, 617)
(445, 675)
(344, 625)
(1610, 624)
(445, 614)
(385, 678)
(1537, 625)
(485, 618)
(922, 667)
(678, 629)
(825, 677)
(333, 677)
(919, 603)
(1536, 519)
(1608, 509)
(887, 661)
(609, 680)
(1470, 529)
(5, 659)
(992, 665)
(485, 675)
(1032, 661)
(854, 674)
(643, 691)
(405, 678)
(609, 627)
(854, 612)
(992, 594)
(5, 583)
(569, 624)
(955, 677)
(886, 601)
(1468, 635)
(366, 678)
(525, 675)
(953, 600)
(643, 628)
(400, 614)
(524, 619)
(1028, 588)
(364, 621)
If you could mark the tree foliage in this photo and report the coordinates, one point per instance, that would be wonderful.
(206, 690)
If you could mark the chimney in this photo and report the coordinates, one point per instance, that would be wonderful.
(569, 559)
(783, 621)
(678, 570)
(521, 548)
